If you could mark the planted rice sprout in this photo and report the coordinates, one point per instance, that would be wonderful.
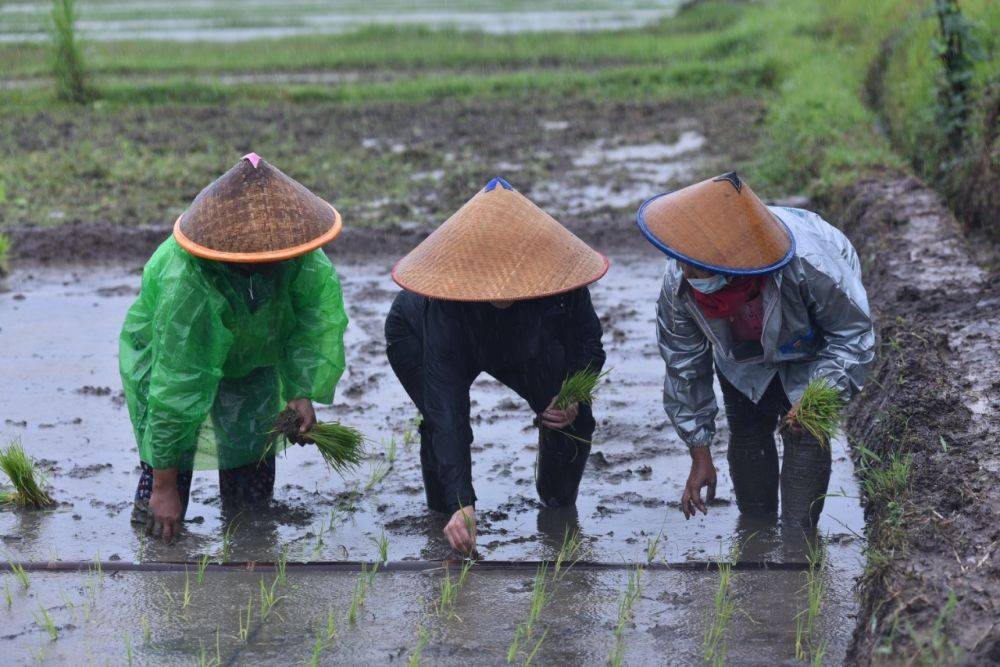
(342, 447)
(18, 571)
(450, 589)
(524, 633)
(268, 599)
(423, 638)
(569, 553)
(625, 615)
(807, 648)
(244, 630)
(714, 646)
(202, 566)
(27, 479)
(818, 411)
(324, 637)
(4, 254)
(282, 565)
(44, 621)
(653, 547)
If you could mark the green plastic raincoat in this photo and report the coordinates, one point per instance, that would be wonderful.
(210, 354)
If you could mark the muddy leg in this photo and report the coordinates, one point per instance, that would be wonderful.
(805, 475)
(562, 459)
(248, 486)
(140, 506)
(752, 456)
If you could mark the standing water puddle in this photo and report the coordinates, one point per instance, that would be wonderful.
(59, 333)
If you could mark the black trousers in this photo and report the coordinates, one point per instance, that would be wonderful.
(561, 455)
(753, 458)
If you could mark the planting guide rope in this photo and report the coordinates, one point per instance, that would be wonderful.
(391, 566)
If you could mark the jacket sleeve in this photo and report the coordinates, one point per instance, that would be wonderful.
(447, 405)
(313, 359)
(189, 345)
(688, 394)
(839, 307)
(588, 351)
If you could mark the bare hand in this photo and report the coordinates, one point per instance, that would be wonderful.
(702, 475)
(307, 416)
(164, 506)
(461, 530)
(558, 419)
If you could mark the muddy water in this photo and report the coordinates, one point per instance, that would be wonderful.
(58, 330)
(229, 21)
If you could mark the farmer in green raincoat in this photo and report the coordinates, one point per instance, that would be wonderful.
(240, 314)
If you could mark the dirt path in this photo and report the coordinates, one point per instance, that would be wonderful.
(934, 397)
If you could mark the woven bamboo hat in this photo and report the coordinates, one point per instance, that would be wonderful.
(717, 225)
(253, 214)
(499, 247)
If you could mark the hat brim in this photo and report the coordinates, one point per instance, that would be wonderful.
(726, 270)
(204, 252)
(445, 296)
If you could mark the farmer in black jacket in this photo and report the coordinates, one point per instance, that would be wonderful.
(499, 288)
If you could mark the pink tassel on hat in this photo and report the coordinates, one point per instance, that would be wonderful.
(253, 157)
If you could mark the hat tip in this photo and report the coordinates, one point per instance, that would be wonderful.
(253, 158)
(497, 180)
(733, 178)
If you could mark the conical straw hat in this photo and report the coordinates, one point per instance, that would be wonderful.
(499, 247)
(253, 214)
(718, 225)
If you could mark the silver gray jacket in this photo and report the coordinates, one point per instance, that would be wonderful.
(816, 325)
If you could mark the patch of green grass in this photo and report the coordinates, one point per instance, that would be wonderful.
(28, 481)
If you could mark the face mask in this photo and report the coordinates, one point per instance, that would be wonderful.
(709, 285)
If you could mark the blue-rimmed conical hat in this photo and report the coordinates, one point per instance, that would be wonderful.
(718, 225)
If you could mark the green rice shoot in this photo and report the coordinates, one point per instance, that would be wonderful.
(342, 447)
(4, 253)
(819, 410)
(27, 479)
(580, 387)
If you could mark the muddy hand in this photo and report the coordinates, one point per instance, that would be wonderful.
(164, 506)
(461, 531)
(702, 475)
(558, 419)
(307, 416)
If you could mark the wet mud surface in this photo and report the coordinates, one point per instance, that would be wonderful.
(934, 397)
(59, 332)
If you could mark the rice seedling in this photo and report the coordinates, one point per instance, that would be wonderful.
(580, 387)
(6, 593)
(391, 451)
(568, 553)
(379, 471)
(324, 636)
(18, 571)
(450, 589)
(128, 650)
(227, 541)
(282, 565)
(215, 661)
(653, 548)
(268, 599)
(97, 569)
(538, 645)
(714, 646)
(806, 646)
(383, 547)
(147, 630)
(625, 614)
(818, 411)
(44, 621)
(411, 432)
(67, 59)
(342, 447)
(540, 594)
(171, 600)
(423, 638)
(186, 593)
(202, 566)
(244, 630)
(24, 475)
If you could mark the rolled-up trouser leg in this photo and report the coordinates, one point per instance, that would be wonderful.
(753, 456)
(805, 475)
(249, 486)
(562, 459)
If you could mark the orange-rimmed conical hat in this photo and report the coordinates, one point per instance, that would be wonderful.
(254, 214)
(718, 225)
(499, 247)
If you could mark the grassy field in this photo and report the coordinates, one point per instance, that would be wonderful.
(806, 61)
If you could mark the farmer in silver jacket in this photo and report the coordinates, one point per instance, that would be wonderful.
(772, 298)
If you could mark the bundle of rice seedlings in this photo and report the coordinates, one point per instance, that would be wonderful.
(342, 447)
(24, 475)
(580, 387)
(818, 411)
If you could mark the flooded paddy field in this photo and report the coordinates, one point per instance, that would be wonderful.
(59, 335)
